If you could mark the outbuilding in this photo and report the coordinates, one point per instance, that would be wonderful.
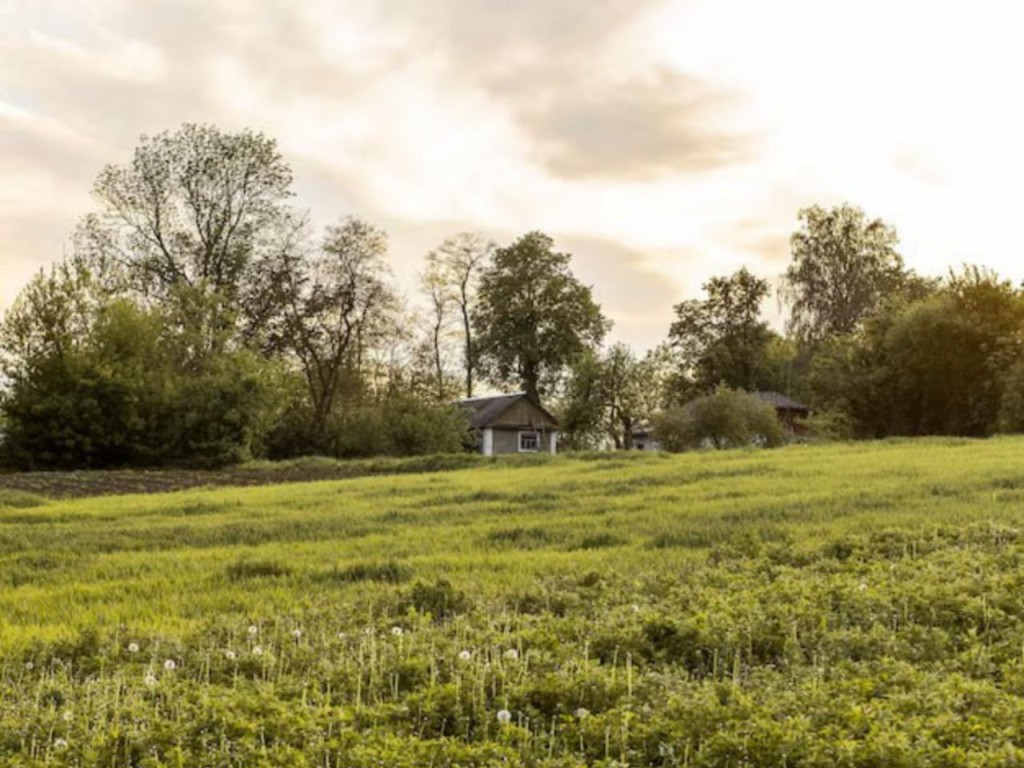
(514, 423)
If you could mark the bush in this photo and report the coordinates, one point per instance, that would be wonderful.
(725, 419)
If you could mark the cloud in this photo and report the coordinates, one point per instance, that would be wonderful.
(635, 130)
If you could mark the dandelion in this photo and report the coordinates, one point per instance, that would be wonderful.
(253, 630)
(133, 647)
(342, 635)
(465, 655)
(60, 743)
(149, 679)
(29, 666)
(257, 650)
(862, 586)
(296, 633)
(504, 716)
(396, 631)
(512, 654)
(170, 665)
(68, 716)
(231, 655)
(636, 608)
(582, 713)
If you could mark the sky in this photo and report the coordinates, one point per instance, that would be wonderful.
(661, 142)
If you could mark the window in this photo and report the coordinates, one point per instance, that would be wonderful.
(529, 442)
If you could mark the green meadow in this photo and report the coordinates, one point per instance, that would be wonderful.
(846, 605)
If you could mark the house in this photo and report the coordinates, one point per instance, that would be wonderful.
(513, 423)
(644, 440)
(790, 412)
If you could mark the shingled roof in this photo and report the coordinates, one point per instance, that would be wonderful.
(483, 411)
(780, 402)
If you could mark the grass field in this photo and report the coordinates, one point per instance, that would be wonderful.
(813, 606)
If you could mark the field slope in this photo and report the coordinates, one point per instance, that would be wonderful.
(813, 606)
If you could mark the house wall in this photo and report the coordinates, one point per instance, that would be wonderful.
(507, 441)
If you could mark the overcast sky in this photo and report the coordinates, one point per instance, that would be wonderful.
(659, 141)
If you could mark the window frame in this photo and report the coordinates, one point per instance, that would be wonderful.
(536, 440)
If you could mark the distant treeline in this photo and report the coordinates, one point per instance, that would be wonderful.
(199, 321)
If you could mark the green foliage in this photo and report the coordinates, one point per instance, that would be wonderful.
(725, 419)
(722, 339)
(843, 267)
(857, 605)
(99, 381)
(533, 318)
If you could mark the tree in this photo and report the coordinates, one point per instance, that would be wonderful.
(533, 317)
(607, 395)
(843, 266)
(725, 419)
(196, 212)
(95, 380)
(339, 304)
(722, 339)
(453, 273)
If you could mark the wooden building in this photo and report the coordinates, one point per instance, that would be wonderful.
(511, 424)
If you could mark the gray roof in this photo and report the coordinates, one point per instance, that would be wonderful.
(780, 402)
(482, 411)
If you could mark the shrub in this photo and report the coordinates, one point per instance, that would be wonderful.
(725, 419)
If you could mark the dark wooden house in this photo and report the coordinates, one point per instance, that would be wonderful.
(511, 424)
(790, 412)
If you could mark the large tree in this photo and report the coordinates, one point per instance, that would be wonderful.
(721, 339)
(197, 212)
(533, 317)
(340, 304)
(450, 281)
(843, 265)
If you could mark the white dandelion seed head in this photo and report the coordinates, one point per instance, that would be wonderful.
(582, 712)
(342, 635)
(68, 716)
(253, 630)
(511, 653)
(133, 647)
(257, 650)
(149, 679)
(504, 716)
(231, 655)
(29, 666)
(170, 665)
(636, 608)
(396, 631)
(60, 743)
(862, 586)
(465, 655)
(296, 633)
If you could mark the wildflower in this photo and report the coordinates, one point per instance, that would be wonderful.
(396, 631)
(149, 679)
(29, 666)
(504, 716)
(862, 586)
(60, 743)
(231, 655)
(133, 647)
(68, 716)
(170, 665)
(636, 608)
(465, 655)
(512, 653)
(342, 635)
(253, 630)
(257, 650)
(582, 712)
(296, 633)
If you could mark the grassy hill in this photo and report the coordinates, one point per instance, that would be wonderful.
(844, 605)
